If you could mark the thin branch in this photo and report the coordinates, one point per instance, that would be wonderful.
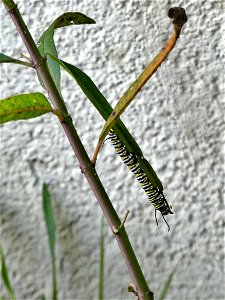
(117, 230)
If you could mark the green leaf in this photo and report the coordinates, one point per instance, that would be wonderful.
(24, 106)
(5, 277)
(7, 59)
(72, 18)
(46, 41)
(102, 258)
(50, 224)
(49, 218)
(105, 109)
(167, 283)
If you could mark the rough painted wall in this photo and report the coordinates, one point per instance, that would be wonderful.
(178, 119)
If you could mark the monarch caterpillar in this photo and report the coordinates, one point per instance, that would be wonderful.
(154, 195)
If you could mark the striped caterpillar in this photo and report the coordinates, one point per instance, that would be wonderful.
(153, 193)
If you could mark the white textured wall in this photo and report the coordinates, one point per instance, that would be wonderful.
(178, 120)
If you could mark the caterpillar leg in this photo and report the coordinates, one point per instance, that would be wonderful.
(156, 219)
(163, 219)
(166, 222)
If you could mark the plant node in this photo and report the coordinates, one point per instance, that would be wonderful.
(132, 289)
(116, 230)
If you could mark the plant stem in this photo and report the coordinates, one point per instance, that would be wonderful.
(102, 261)
(86, 165)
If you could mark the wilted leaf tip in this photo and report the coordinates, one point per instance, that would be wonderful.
(178, 14)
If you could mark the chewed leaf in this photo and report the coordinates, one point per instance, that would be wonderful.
(46, 41)
(25, 106)
(72, 18)
(7, 59)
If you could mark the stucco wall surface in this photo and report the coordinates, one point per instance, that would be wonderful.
(177, 119)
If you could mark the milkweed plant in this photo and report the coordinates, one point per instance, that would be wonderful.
(43, 58)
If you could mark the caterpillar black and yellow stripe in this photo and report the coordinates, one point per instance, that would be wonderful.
(154, 195)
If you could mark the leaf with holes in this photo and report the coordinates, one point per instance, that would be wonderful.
(46, 41)
(24, 106)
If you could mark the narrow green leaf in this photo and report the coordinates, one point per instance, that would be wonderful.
(46, 42)
(105, 109)
(24, 106)
(102, 260)
(5, 277)
(167, 283)
(49, 218)
(43, 297)
(7, 59)
(50, 224)
(88, 87)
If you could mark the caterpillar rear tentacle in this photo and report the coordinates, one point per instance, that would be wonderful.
(154, 195)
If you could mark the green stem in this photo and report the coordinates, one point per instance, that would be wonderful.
(86, 165)
(102, 260)
(54, 281)
(18, 62)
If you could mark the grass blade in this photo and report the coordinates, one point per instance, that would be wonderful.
(167, 283)
(5, 276)
(102, 260)
(51, 229)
